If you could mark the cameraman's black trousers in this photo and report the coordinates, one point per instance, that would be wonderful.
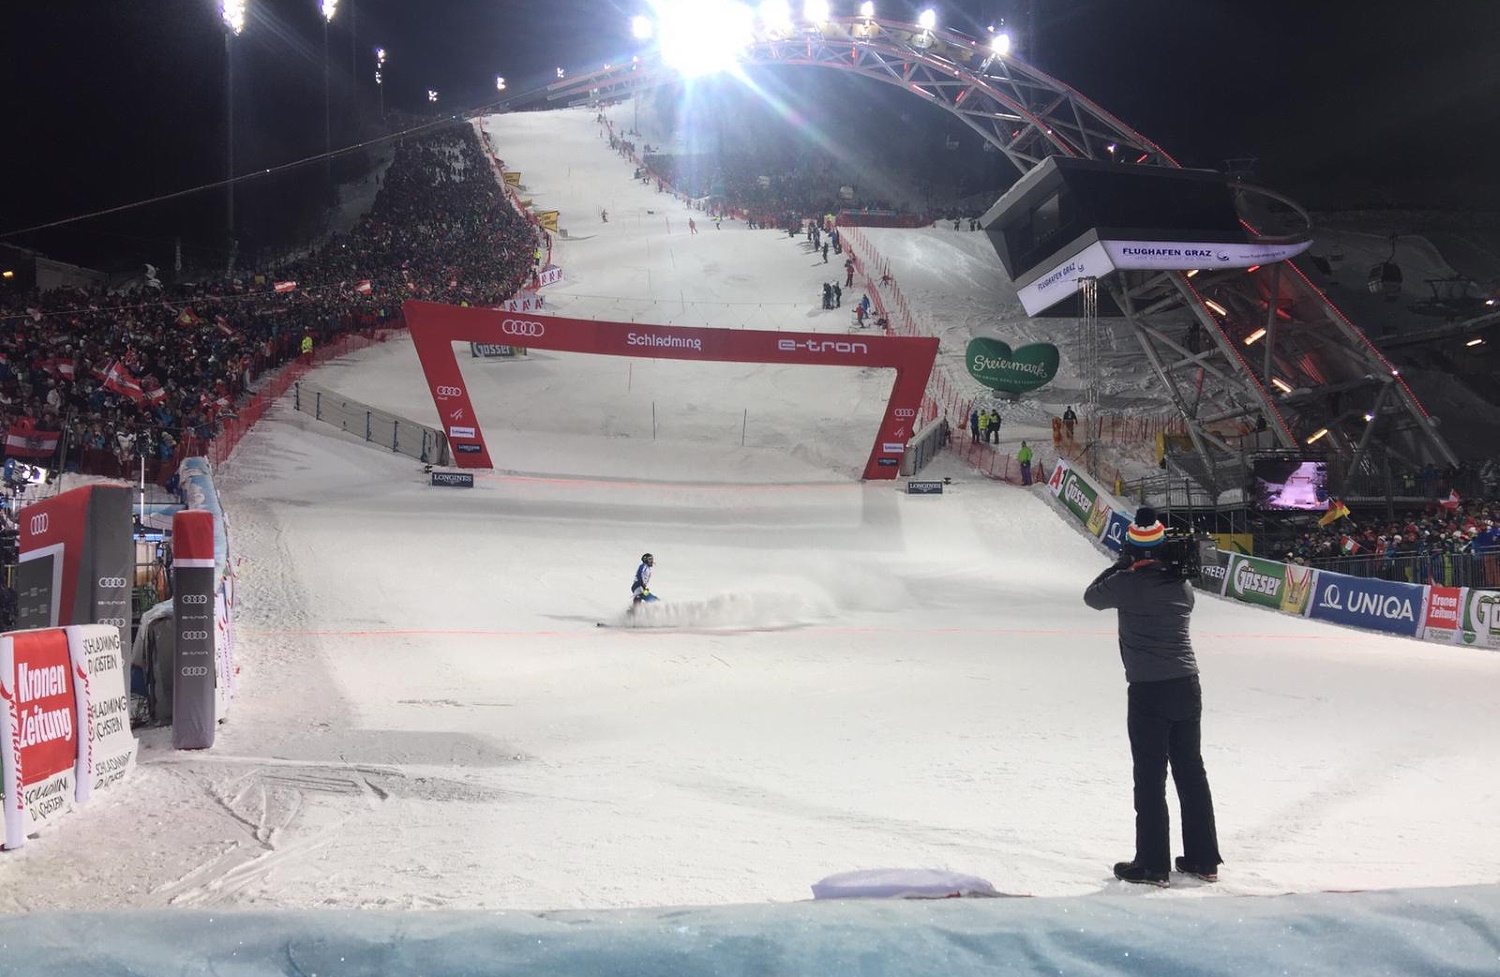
(1164, 726)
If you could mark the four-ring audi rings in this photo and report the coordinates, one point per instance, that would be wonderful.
(522, 327)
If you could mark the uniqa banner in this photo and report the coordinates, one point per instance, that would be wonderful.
(1481, 620)
(1285, 587)
(1380, 605)
(994, 364)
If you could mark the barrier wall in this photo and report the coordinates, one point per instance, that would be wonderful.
(64, 723)
(1450, 615)
(376, 426)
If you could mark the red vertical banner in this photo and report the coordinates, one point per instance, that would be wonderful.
(40, 749)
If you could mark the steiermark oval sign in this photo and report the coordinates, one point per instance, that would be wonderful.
(994, 364)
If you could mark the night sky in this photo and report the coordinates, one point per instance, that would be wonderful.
(1344, 103)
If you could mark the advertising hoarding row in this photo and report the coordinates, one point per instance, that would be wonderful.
(1456, 615)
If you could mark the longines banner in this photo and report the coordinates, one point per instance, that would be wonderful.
(994, 364)
(435, 328)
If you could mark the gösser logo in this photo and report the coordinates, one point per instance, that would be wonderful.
(522, 327)
(111, 581)
(39, 523)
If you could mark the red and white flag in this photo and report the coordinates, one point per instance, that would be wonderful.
(24, 440)
(284, 286)
(222, 324)
(1451, 502)
(65, 367)
(364, 287)
(118, 379)
(155, 395)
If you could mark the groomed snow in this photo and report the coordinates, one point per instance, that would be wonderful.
(852, 678)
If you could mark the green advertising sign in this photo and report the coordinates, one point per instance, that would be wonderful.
(1286, 587)
(1481, 618)
(995, 365)
(1077, 495)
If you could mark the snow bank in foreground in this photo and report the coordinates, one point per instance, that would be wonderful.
(1125, 931)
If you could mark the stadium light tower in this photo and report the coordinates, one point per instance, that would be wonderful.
(499, 83)
(432, 95)
(233, 12)
(380, 77)
(701, 37)
(327, 7)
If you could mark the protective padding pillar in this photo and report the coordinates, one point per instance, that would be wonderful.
(193, 618)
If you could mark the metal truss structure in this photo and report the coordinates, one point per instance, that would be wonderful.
(1255, 360)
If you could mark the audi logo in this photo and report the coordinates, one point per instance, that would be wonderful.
(195, 670)
(905, 412)
(523, 327)
(111, 581)
(40, 522)
(195, 598)
(445, 392)
(194, 636)
(118, 622)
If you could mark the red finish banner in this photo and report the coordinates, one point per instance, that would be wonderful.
(435, 328)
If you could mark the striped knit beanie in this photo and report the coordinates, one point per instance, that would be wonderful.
(1147, 530)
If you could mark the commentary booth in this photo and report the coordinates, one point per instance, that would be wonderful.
(1069, 219)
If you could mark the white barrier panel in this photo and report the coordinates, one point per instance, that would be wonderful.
(107, 752)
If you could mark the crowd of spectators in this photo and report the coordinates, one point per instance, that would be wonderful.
(1453, 543)
(151, 372)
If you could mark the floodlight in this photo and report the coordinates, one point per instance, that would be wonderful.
(1000, 43)
(499, 83)
(1255, 337)
(927, 19)
(1316, 435)
(815, 11)
(328, 7)
(1281, 385)
(432, 95)
(1477, 341)
(867, 9)
(233, 12)
(1216, 306)
(560, 72)
(701, 37)
(776, 14)
(641, 27)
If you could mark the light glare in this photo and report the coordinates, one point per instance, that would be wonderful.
(328, 7)
(776, 14)
(1000, 44)
(927, 20)
(867, 9)
(815, 11)
(641, 27)
(233, 12)
(701, 37)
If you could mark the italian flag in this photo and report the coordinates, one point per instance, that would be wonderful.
(1349, 545)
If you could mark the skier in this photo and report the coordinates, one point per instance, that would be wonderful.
(640, 589)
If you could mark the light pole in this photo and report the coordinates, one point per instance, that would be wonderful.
(328, 7)
(380, 78)
(233, 12)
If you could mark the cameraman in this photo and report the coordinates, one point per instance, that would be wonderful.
(1147, 588)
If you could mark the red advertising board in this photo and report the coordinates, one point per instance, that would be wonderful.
(44, 732)
(1443, 613)
(435, 328)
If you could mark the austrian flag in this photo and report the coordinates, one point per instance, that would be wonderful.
(23, 440)
(284, 286)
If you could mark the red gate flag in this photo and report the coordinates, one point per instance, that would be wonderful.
(24, 440)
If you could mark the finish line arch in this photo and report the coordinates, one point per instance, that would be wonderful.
(435, 328)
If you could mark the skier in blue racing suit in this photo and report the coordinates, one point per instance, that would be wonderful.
(640, 590)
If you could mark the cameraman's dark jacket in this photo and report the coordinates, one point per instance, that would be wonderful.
(1154, 604)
